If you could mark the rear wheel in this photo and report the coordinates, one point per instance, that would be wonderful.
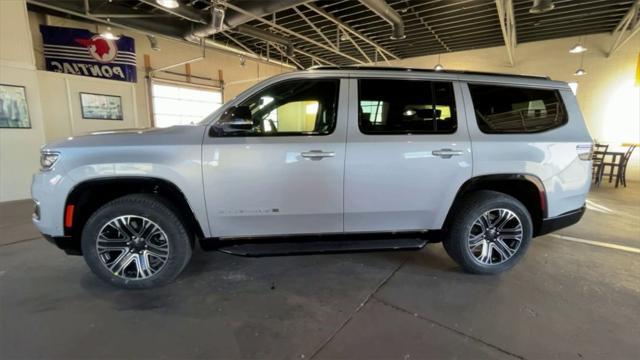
(136, 241)
(490, 232)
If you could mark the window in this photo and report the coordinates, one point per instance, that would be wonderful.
(406, 107)
(506, 109)
(182, 105)
(298, 107)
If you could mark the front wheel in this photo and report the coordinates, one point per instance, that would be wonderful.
(136, 241)
(490, 232)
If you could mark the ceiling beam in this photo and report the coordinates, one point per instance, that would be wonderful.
(283, 53)
(290, 32)
(313, 57)
(243, 46)
(628, 27)
(508, 27)
(323, 36)
(350, 30)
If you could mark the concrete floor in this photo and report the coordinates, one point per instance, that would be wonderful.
(564, 300)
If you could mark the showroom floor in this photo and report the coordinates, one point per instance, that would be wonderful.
(567, 299)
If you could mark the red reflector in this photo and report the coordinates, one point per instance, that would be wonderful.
(543, 202)
(68, 216)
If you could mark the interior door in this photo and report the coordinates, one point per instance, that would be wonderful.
(408, 152)
(285, 174)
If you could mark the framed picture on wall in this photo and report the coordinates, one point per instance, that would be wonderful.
(101, 107)
(14, 110)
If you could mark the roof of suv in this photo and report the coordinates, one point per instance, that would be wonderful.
(391, 68)
(476, 76)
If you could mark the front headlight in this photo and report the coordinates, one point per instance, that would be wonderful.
(48, 159)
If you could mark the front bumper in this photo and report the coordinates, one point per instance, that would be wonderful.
(70, 245)
(49, 192)
(561, 221)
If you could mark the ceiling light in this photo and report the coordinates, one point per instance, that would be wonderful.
(169, 4)
(438, 66)
(107, 34)
(541, 6)
(580, 72)
(577, 49)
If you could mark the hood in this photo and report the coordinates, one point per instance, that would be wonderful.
(183, 134)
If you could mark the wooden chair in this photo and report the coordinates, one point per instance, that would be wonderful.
(625, 162)
(599, 152)
(617, 169)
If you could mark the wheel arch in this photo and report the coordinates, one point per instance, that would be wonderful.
(87, 196)
(526, 188)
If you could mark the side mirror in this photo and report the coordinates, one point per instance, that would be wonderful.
(234, 121)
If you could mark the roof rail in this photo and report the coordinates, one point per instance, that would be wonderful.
(391, 68)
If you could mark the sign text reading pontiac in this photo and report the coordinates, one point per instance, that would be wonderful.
(81, 52)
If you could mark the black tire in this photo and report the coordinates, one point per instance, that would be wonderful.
(470, 208)
(175, 238)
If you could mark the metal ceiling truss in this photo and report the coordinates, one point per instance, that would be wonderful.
(628, 27)
(344, 32)
(508, 27)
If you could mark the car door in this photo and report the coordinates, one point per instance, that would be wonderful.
(284, 175)
(408, 153)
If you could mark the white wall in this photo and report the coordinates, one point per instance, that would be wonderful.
(62, 103)
(19, 148)
(608, 95)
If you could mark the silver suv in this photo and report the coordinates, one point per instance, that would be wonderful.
(326, 160)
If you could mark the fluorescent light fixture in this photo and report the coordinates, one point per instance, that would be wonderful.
(577, 49)
(169, 4)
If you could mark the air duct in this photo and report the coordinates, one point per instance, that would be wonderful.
(257, 8)
(216, 24)
(541, 6)
(225, 19)
(386, 12)
(221, 21)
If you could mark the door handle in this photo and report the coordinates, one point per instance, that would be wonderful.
(446, 153)
(317, 154)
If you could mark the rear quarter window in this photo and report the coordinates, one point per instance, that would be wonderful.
(516, 110)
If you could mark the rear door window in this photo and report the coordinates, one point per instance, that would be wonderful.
(516, 110)
(406, 107)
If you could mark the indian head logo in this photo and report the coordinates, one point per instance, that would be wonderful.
(102, 49)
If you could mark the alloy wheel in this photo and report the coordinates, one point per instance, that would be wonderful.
(495, 236)
(132, 247)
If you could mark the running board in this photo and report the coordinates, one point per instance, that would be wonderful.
(321, 247)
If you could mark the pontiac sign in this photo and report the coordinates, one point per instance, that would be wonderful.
(81, 52)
